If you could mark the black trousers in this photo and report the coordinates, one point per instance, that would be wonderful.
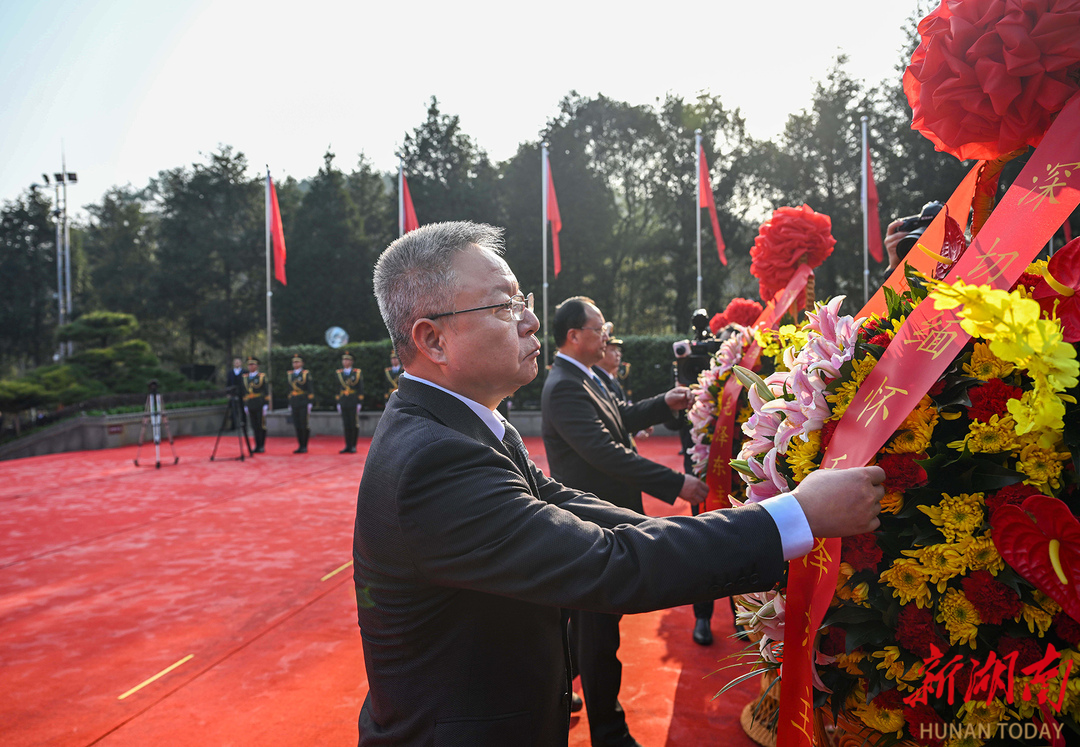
(350, 419)
(594, 641)
(300, 421)
(258, 421)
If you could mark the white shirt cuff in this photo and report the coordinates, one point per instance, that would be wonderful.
(795, 536)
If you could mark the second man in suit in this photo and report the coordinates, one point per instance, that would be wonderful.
(588, 438)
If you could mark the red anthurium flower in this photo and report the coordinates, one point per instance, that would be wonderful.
(1056, 293)
(1041, 541)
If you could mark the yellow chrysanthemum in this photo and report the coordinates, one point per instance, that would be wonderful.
(957, 516)
(850, 662)
(846, 391)
(881, 719)
(801, 455)
(980, 712)
(980, 554)
(941, 562)
(985, 365)
(993, 437)
(892, 503)
(847, 591)
(913, 435)
(1041, 466)
(1048, 604)
(907, 578)
(1037, 619)
(893, 665)
(960, 617)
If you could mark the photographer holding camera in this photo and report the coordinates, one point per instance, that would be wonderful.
(903, 233)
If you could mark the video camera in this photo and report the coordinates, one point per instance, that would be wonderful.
(693, 356)
(914, 226)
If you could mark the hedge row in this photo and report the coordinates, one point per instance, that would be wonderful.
(650, 371)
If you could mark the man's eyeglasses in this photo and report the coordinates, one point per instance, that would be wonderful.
(516, 304)
(606, 329)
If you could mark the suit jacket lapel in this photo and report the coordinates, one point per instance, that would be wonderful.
(453, 413)
(603, 400)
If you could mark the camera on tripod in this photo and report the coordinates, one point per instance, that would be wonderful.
(914, 226)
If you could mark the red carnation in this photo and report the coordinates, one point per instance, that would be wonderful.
(991, 399)
(791, 237)
(1028, 650)
(880, 339)
(891, 699)
(1067, 629)
(1064, 269)
(916, 631)
(901, 472)
(923, 722)
(860, 551)
(1010, 495)
(988, 76)
(1028, 280)
(826, 433)
(717, 323)
(937, 388)
(994, 600)
(834, 642)
(743, 311)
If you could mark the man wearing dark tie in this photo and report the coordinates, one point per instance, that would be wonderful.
(588, 439)
(464, 552)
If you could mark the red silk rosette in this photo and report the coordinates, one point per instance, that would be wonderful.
(989, 75)
(791, 237)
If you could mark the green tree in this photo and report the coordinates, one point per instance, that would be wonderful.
(28, 266)
(120, 242)
(98, 328)
(450, 176)
(18, 396)
(211, 253)
(331, 258)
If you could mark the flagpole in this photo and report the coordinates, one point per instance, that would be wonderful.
(400, 195)
(865, 197)
(697, 209)
(543, 241)
(269, 295)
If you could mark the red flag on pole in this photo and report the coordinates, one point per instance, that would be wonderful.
(706, 199)
(556, 220)
(410, 212)
(873, 222)
(277, 232)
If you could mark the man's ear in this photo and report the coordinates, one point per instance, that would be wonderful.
(429, 340)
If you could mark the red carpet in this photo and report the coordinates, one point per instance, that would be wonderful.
(225, 571)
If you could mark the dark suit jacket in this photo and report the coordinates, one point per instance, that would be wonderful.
(611, 382)
(463, 558)
(236, 380)
(588, 444)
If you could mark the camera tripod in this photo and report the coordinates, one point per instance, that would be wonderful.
(235, 414)
(154, 416)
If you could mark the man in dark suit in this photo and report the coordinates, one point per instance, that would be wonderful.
(588, 439)
(464, 552)
(234, 385)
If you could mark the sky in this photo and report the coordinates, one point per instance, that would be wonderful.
(127, 88)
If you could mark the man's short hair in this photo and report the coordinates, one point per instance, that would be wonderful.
(570, 314)
(414, 277)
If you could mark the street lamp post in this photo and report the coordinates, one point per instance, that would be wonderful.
(63, 239)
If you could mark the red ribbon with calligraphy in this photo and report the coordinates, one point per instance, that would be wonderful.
(1038, 202)
(718, 477)
(959, 206)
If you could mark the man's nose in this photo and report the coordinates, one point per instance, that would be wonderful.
(531, 322)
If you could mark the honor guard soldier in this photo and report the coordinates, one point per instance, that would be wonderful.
(349, 398)
(301, 398)
(393, 371)
(256, 388)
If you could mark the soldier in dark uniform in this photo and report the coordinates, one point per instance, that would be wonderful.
(349, 399)
(301, 397)
(392, 372)
(256, 389)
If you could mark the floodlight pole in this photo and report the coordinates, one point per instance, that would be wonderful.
(697, 208)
